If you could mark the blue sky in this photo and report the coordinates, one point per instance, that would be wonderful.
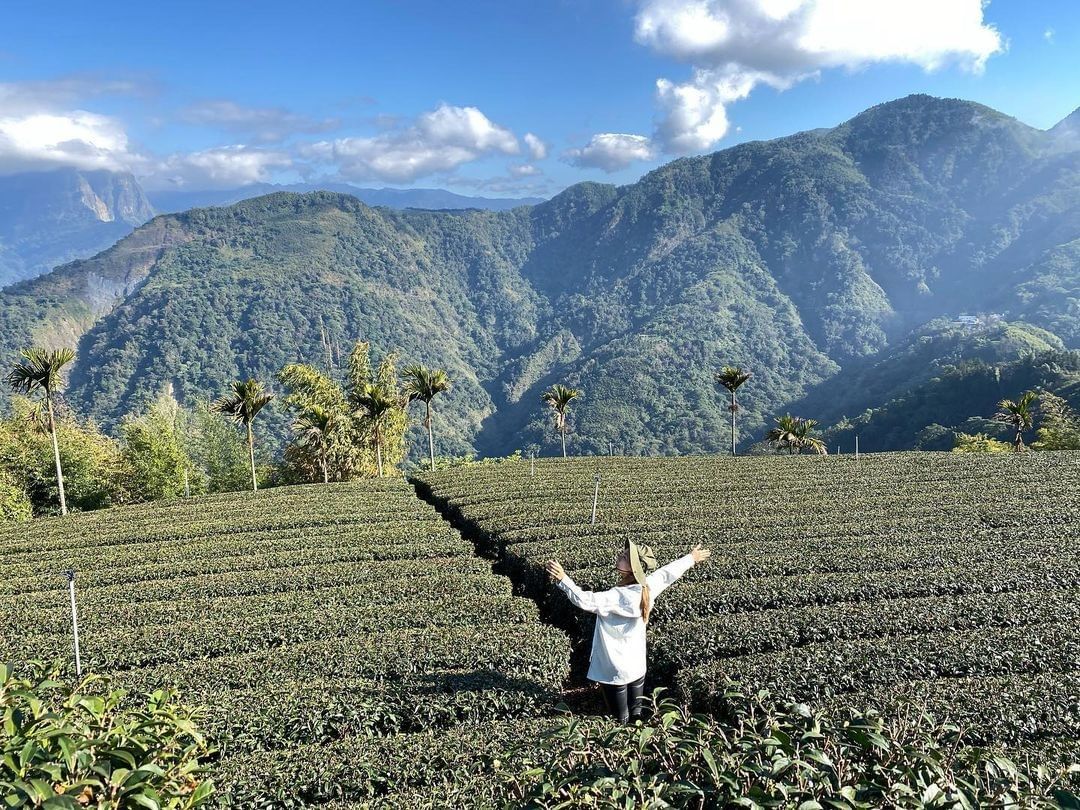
(498, 98)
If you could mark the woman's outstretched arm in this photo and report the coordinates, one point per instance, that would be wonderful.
(601, 602)
(661, 578)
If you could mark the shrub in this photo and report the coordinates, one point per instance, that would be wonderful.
(65, 747)
(14, 502)
(764, 755)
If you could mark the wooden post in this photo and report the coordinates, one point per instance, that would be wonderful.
(70, 574)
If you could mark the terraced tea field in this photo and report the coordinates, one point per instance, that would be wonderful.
(951, 579)
(345, 641)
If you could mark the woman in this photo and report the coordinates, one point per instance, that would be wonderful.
(618, 648)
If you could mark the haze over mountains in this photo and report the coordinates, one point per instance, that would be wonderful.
(48, 218)
(832, 263)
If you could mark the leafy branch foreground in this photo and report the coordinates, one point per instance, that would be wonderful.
(65, 748)
(768, 756)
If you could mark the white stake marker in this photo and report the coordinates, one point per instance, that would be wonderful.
(595, 497)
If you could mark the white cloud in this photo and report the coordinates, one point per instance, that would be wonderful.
(437, 141)
(1048, 35)
(81, 139)
(264, 124)
(611, 151)
(219, 167)
(524, 170)
(735, 45)
(538, 150)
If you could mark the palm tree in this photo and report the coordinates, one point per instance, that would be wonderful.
(807, 439)
(795, 434)
(423, 385)
(243, 405)
(43, 368)
(1019, 414)
(731, 378)
(559, 398)
(786, 433)
(376, 405)
(314, 428)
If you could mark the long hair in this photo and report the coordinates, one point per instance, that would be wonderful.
(646, 597)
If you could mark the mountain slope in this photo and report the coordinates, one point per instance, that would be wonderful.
(802, 258)
(49, 218)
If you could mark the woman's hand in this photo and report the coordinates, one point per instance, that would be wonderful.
(555, 571)
(699, 553)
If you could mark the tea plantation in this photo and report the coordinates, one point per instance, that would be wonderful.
(953, 580)
(343, 639)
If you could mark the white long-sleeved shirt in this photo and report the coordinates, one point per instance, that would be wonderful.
(618, 648)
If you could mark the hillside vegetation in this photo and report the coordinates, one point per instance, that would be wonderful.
(945, 579)
(798, 258)
(342, 639)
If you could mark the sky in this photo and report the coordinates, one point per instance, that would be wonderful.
(511, 98)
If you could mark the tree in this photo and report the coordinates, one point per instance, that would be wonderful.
(1019, 415)
(218, 454)
(42, 369)
(795, 434)
(732, 378)
(315, 429)
(155, 451)
(423, 385)
(1059, 427)
(559, 397)
(979, 443)
(243, 405)
(785, 435)
(377, 407)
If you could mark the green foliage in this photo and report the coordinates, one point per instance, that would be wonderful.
(84, 746)
(979, 443)
(763, 755)
(795, 434)
(14, 502)
(834, 581)
(155, 452)
(322, 628)
(218, 453)
(95, 474)
(1059, 427)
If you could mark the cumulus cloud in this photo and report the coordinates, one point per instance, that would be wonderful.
(219, 167)
(611, 151)
(81, 139)
(524, 170)
(437, 141)
(262, 124)
(538, 150)
(736, 45)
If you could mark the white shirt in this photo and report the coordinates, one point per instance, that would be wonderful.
(618, 648)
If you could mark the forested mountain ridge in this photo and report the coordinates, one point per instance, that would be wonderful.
(797, 258)
(51, 217)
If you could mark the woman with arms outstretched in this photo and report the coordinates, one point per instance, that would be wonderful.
(618, 648)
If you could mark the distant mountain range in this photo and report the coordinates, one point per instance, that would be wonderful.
(48, 218)
(833, 264)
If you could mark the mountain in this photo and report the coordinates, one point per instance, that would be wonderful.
(168, 202)
(49, 218)
(834, 264)
(54, 217)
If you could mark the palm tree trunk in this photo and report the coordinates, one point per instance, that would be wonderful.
(56, 455)
(562, 432)
(430, 438)
(733, 423)
(325, 471)
(251, 455)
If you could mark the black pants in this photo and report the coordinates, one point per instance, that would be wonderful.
(624, 701)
